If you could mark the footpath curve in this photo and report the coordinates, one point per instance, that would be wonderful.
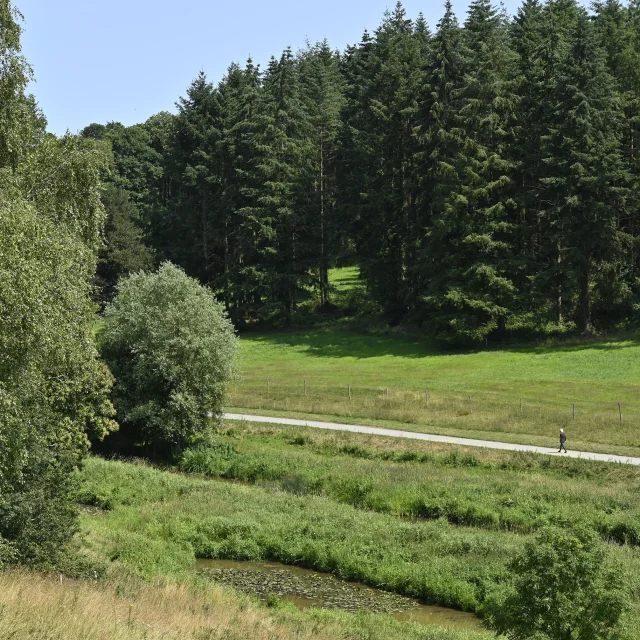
(412, 435)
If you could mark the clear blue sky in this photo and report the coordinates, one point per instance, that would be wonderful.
(124, 60)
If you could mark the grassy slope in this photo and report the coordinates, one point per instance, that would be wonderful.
(160, 521)
(549, 379)
(514, 492)
(605, 372)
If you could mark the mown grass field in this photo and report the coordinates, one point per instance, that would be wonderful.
(517, 394)
(428, 521)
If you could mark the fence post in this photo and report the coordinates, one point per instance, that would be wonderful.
(470, 407)
(620, 412)
(305, 387)
(574, 411)
(520, 405)
(349, 392)
(387, 393)
(427, 396)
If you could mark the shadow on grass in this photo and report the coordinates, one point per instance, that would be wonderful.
(344, 342)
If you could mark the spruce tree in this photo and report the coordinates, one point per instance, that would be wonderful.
(195, 164)
(386, 225)
(619, 32)
(322, 89)
(472, 289)
(585, 183)
(247, 233)
(542, 39)
(283, 159)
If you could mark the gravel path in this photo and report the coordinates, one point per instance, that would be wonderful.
(467, 442)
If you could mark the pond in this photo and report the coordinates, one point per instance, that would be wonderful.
(306, 588)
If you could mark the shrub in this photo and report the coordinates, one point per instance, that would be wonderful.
(561, 586)
(172, 350)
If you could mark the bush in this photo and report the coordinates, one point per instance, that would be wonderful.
(561, 586)
(172, 350)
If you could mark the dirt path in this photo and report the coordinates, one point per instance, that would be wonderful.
(466, 442)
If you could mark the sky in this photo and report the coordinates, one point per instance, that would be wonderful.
(125, 60)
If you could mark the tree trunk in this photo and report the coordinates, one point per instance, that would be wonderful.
(227, 291)
(559, 317)
(205, 234)
(324, 269)
(584, 319)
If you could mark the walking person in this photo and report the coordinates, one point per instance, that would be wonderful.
(563, 439)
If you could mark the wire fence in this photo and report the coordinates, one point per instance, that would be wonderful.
(414, 405)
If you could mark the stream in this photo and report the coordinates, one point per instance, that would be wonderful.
(306, 588)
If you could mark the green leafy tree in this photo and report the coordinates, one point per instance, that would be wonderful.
(172, 351)
(53, 389)
(124, 250)
(563, 587)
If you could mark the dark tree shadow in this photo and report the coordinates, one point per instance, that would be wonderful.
(345, 342)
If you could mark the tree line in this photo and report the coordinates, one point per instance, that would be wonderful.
(166, 351)
(483, 176)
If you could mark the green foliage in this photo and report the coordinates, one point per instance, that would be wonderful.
(53, 390)
(124, 251)
(454, 565)
(484, 178)
(172, 351)
(463, 489)
(562, 586)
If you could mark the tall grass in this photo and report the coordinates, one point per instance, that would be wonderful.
(36, 606)
(160, 522)
(519, 493)
(591, 427)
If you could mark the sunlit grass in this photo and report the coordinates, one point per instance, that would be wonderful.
(518, 395)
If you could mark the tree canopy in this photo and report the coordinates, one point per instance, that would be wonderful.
(483, 176)
(172, 350)
(53, 389)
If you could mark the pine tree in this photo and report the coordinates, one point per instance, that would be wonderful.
(619, 31)
(322, 89)
(473, 290)
(124, 251)
(195, 165)
(585, 183)
(284, 158)
(542, 37)
(247, 234)
(440, 159)
(385, 123)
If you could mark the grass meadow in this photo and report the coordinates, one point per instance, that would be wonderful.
(515, 492)
(591, 389)
(429, 521)
(125, 608)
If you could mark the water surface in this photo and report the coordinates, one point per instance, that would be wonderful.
(306, 588)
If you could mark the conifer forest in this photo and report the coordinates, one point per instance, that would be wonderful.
(483, 175)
